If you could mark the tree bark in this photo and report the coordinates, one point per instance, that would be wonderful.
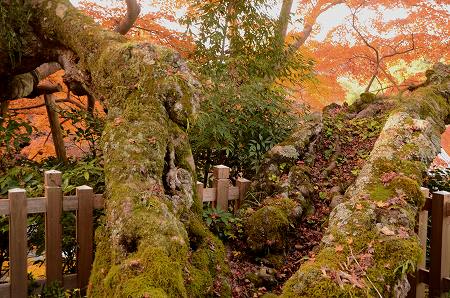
(284, 18)
(153, 243)
(370, 245)
(55, 128)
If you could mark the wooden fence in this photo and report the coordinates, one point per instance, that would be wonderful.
(17, 207)
(437, 276)
(223, 192)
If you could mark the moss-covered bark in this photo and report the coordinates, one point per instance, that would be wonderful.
(370, 244)
(153, 243)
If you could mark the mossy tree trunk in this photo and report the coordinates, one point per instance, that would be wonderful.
(370, 245)
(153, 243)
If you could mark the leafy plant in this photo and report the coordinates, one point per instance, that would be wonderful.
(86, 128)
(14, 135)
(224, 224)
(438, 179)
(237, 125)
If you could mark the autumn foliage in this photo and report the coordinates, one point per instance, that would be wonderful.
(407, 36)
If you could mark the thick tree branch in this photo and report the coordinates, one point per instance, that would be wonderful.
(310, 20)
(133, 10)
(62, 100)
(55, 128)
(283, 19)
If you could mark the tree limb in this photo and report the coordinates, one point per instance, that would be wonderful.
(133, 10)
(63, 100)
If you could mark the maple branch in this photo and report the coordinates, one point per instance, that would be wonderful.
(330, 5)
(362, 56)
(366, 42)
(64, 100)
(307, 28)
(389, 77)
(133, 10)
(412, 48)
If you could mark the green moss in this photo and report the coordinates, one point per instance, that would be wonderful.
(289, 207)
(102, 262)
(269, 295)
(412, 169)
(392, 258)
(410, 188)
(408, 151)
(364, 100)
(149, 270)
(208, 271)
(266, 229)
(409, 175)
(311, 282)
(378, 192)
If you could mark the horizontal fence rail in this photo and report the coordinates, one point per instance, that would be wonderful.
(437, 276)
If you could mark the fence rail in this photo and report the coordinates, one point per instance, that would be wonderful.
(18, 206)
(437, 276)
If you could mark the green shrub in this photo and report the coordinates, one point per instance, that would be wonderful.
(222, 223)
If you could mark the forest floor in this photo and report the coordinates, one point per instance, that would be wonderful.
(342, 148)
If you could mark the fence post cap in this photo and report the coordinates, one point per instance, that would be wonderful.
(221, 172)
(221, 167)
(442, 193)
(52, 172)
(83, 187)
(16, 190)
(241, 179)
(52, 178)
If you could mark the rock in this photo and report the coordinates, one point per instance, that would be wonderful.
(336, 200)
(263, 277)
(267, 228)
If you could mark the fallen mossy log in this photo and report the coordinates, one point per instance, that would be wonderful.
(370, 245)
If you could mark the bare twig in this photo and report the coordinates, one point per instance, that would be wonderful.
(351, 252)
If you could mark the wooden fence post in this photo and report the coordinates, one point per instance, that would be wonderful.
(221, 183)
(53, 226)
(200, 193)
(417, 286)
(85, 235)
(18, 248)
(440, 255)
(243, 185)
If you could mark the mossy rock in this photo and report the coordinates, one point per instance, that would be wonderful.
(412, 169)
(266, 229)
(289, 207)
(300, 186)
(363, 101)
